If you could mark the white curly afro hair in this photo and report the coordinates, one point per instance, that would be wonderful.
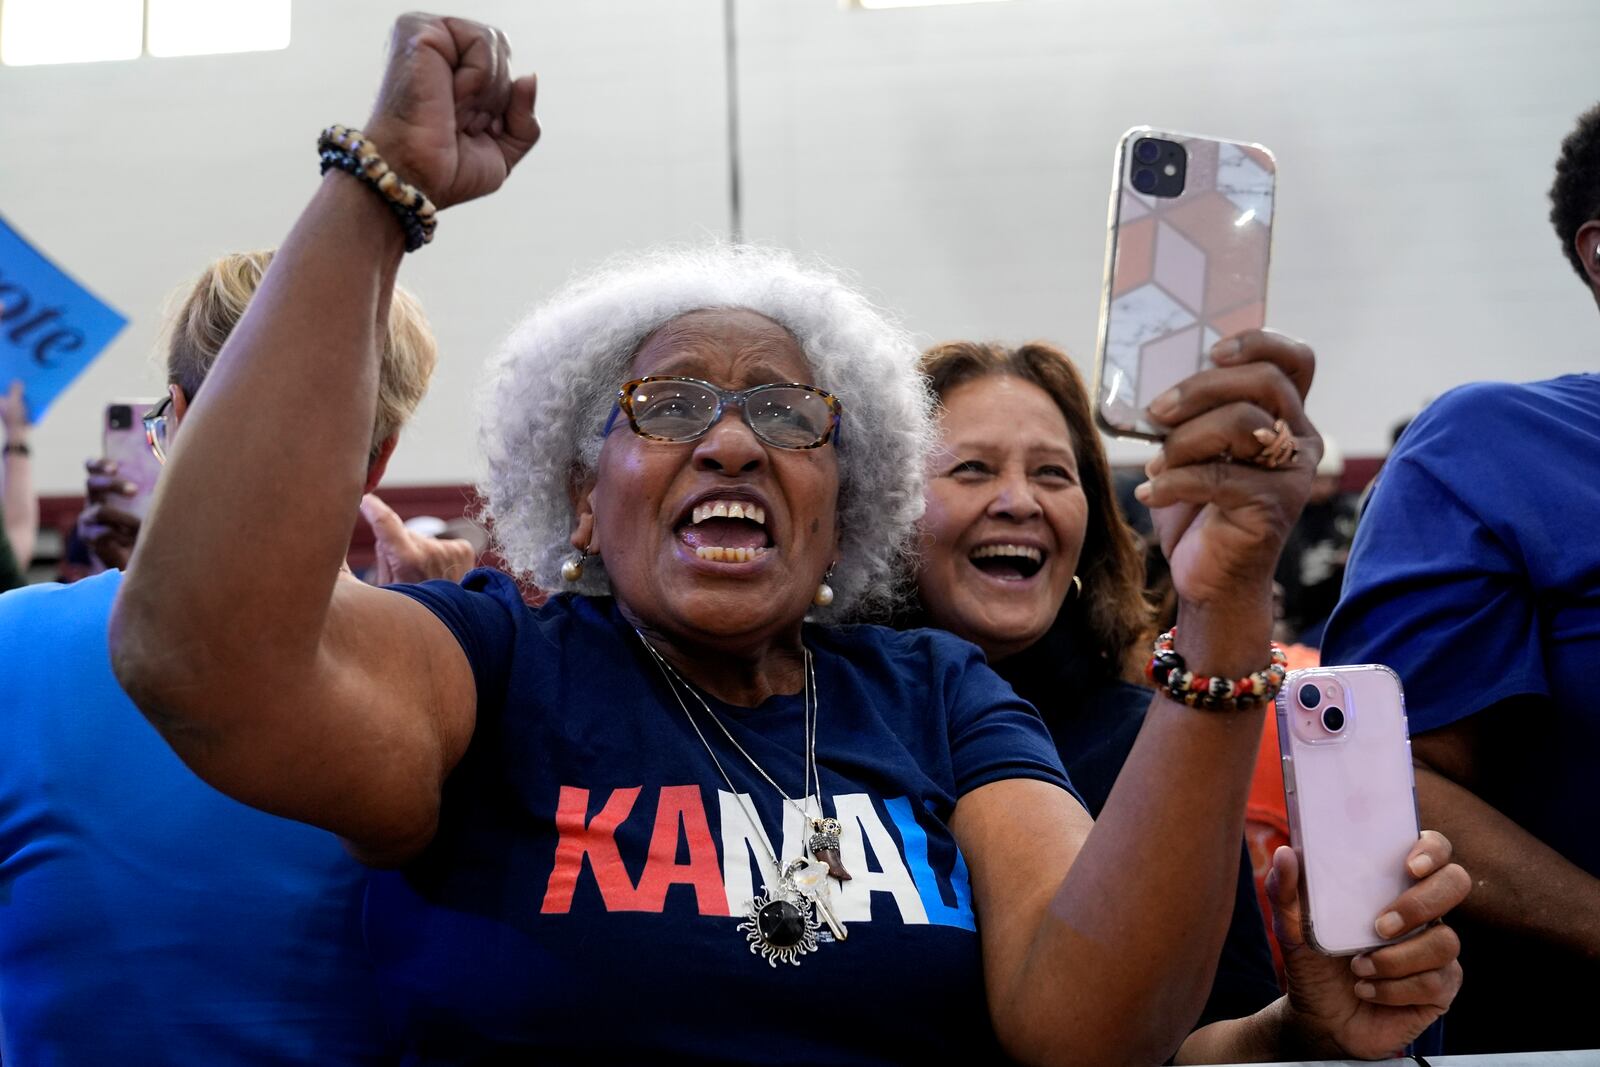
(554, 381)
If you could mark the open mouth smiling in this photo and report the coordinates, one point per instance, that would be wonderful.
(726, 529)
(1008, 562)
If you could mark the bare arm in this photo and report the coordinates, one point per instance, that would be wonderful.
(1258, 1038)
(1521, 884)
(318, 699)
(1134, 930)
(21, 503)
(342, 710)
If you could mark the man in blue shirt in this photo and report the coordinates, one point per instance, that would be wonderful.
(145, 917)
(1476, 574)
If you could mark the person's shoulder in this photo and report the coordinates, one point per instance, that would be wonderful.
(1488, 442)
(1475, 411)
(922, 646)
(486, 581)
(86, 598)
(481, 590)
(1458, 412)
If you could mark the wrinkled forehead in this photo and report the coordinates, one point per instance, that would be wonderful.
(730, 347)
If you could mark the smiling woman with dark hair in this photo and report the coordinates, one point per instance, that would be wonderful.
(666, 817)
(1107, 601)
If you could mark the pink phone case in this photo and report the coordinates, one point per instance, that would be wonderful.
(1352, 801)
(126, 445)
(1182, 272)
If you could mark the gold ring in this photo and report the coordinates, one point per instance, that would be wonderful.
(1278, 446)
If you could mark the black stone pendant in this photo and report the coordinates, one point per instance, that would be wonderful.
(780, 924)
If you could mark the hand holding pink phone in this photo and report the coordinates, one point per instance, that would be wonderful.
(1351, 798)
(1372, 1005)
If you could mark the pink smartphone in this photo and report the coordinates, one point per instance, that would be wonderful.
(1189, 237)
(124, 442)
(1351, 797)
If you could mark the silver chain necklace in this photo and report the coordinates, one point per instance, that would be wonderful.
(781, 924)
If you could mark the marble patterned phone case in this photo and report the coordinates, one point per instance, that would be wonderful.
(1182, 272)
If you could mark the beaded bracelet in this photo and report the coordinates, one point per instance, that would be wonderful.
(350, 151)
(1170, 675)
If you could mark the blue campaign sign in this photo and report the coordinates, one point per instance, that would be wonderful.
(51, 327)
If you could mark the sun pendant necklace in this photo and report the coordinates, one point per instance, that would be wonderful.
(781, 924)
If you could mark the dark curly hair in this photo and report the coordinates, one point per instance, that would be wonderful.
(1575, 194)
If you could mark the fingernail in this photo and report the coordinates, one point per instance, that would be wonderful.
(1366, 990)
(1363, 967)
(1389, 924)
(1226, 351)
(1141, 492)
(1264, 435)
(1165, 404)
(1155, 466)
(1420, 864)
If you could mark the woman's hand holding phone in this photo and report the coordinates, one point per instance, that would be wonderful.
(1371, 1005)
(107, 529)
(1221, 518)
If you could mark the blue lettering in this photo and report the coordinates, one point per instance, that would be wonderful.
(927, 883)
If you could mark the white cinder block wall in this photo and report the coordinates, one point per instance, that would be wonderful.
(957, 158)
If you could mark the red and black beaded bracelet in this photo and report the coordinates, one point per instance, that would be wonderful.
(351, 152)
(1168, 672)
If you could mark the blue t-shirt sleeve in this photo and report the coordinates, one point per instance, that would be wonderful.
(994, 734)
(1436, 586)
(482, 612)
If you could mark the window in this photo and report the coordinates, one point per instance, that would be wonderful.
(82, 31)
(69, 31)
(200, 27)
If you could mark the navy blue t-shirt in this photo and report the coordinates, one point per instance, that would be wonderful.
(1475, 574)
(582, 897)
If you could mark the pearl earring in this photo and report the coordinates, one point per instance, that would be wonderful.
(572, 569)
(824, 595)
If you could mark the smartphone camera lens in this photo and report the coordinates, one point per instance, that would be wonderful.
(1332, 720)
(1310, 696)
(120, 417)
(1159, 166)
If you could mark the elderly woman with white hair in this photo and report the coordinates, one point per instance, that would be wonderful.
(667, 817)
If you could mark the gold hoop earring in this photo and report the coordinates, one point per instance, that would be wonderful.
(1077, 588)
